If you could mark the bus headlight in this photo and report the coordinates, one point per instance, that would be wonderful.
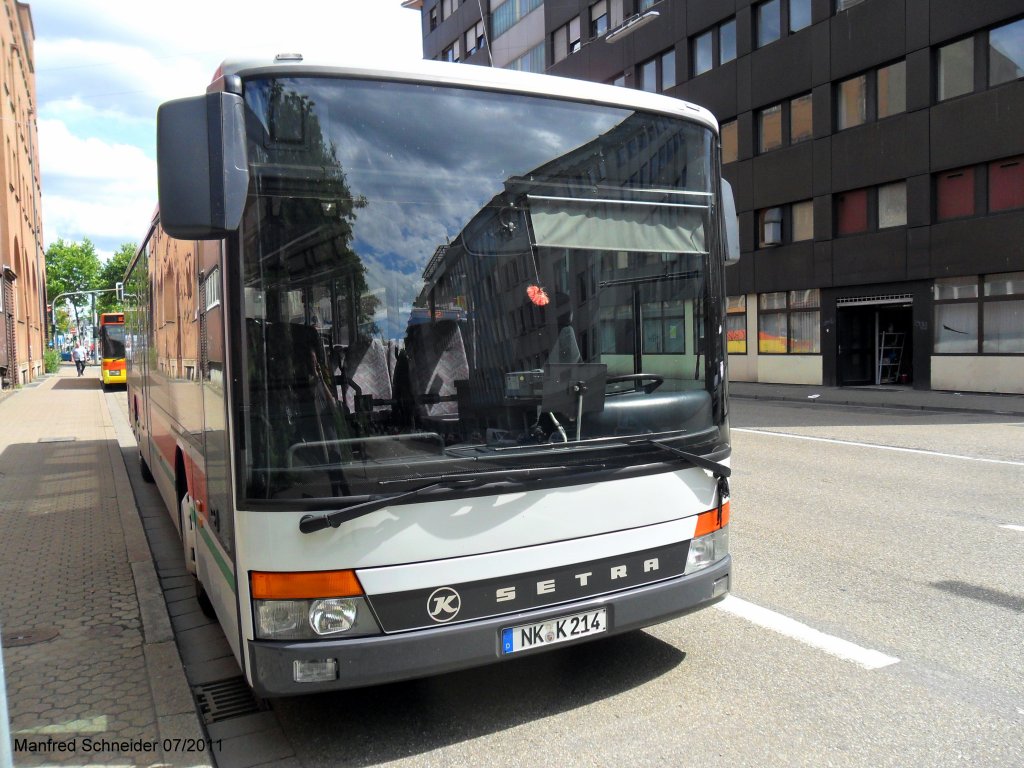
(332, 616)
(707, 550)
(313, 619)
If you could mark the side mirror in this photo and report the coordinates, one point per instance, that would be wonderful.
(732, 225)
(202, 170)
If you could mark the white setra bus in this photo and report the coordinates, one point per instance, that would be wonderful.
(429, 365)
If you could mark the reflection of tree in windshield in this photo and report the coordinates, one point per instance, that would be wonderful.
(307, 209)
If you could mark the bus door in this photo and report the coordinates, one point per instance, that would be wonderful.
(214, 538)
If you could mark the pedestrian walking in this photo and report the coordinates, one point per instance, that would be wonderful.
(78, 355)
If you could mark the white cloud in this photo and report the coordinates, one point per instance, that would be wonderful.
(92, 188)
(103, 67)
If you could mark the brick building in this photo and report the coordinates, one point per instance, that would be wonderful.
(877, 153)
(22, 296)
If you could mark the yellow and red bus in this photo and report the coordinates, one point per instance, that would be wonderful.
(112, 366)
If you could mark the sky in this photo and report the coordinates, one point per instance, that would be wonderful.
(104, 66)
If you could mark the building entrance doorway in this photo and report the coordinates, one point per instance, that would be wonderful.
(875, 342)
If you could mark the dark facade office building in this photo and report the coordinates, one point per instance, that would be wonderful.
(876, 148)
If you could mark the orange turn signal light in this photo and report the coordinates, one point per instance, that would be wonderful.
(307, 584)
(709, 522)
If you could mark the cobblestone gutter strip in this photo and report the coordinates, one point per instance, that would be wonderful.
(177, 719)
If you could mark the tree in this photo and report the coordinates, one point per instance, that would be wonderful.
(110, 275)
(71, 267)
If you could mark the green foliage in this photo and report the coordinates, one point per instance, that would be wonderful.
(71, 267)
(51, 360)
(110, 275)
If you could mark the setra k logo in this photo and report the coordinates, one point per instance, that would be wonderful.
(443, 604)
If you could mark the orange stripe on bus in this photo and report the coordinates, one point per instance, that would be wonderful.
(308, 584)
(708, 522)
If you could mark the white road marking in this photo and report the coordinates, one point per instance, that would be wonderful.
(1013, 527)
(879, 447)
(784, 625)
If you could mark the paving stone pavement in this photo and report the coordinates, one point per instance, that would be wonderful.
(88, 652)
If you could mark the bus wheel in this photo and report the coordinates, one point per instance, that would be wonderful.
(144, 470)
(204, 601)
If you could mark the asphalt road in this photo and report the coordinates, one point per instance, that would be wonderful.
(877, 618)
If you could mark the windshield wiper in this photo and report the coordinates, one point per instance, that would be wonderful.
(719, 470)
(313, 523)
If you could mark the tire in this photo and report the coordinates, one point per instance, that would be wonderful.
(147, 475)
(204, 600)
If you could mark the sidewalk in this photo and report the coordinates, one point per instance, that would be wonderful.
(88, 651)
(883, 397)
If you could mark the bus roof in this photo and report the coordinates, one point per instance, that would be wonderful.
(470, 76)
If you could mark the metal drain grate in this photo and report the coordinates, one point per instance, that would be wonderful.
(56, 440)
(225, 699)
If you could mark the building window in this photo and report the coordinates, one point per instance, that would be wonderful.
(852, 107)
(852, 212)
(803, 220)
(871, 96)
(799, 15)
(983, 315)
(785, 224)
(783, 124)
(659, 73)
(789, 322)
(1002, 319)
(649, 76)
(475, 39)
(1006, 184)
(730, 142)
(508, 14)
(892, 89)
(769, 23)
(713, 48)
(954, 194)
(800, 119)
(956, 69)
(769, 128)
(703, 50)
(892, 205)
(1006, 53)
(566, 39)
(769, 227)
(736, 324)
(599, 18)
(727, 41)
(531, 61)
(668, 69)
(433, 18)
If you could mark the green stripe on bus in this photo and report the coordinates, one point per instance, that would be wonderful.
(162, 463)
(225, 569)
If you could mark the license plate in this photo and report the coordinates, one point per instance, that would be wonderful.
(558, 630)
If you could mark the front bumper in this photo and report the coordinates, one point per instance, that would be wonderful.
(367, 661)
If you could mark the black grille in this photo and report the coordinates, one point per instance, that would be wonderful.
(225, 699)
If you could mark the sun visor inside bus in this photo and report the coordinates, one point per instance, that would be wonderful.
(617, 225)
(202, 173)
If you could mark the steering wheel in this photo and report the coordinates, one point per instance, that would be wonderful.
(654, 379)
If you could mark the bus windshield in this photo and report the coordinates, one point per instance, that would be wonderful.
(503, 281)
(112, 341)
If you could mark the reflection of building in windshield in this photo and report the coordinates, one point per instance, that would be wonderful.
(592, 257)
